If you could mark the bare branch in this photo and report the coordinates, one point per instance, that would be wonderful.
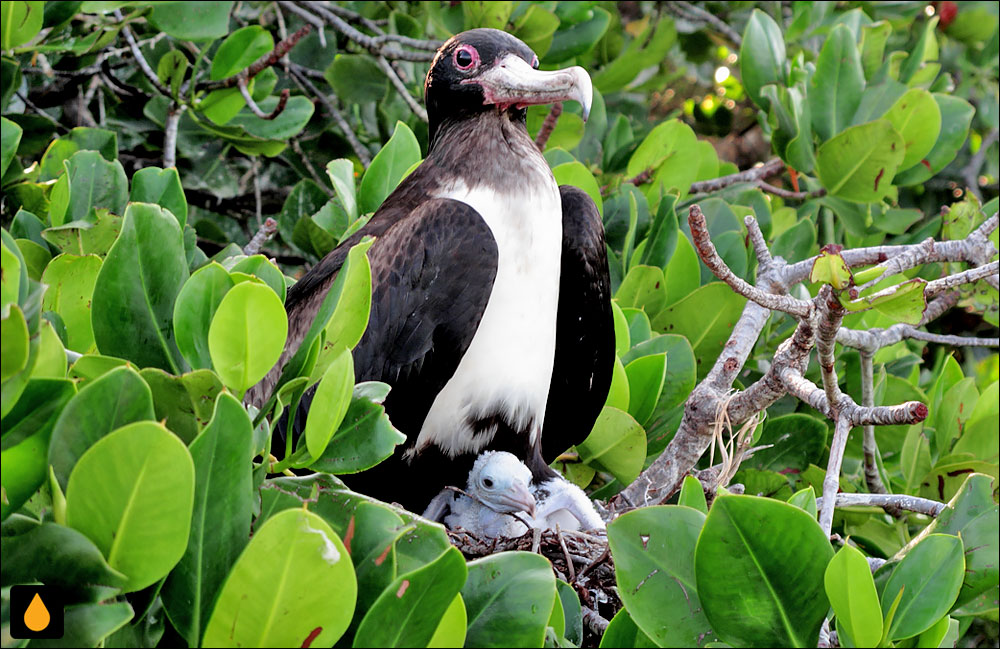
(965, 277)
(281, 48)
(263, 235)
(788, 194)
(970, 173)
(696, 13)
(597, 624)
(902, 501)
(830, 315)
(910, 412)
(400, 87)
(911, 258)
(40, 112)
(764, 260)
(549, 125)
(706, 250)
(255, 109)
(359, 149)
(170, 127)
(872, 477)
(140, 59)
(371, 25)
(377, 45)
(831, 482)
(770, 168)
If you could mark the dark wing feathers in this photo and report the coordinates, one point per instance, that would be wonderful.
(585, 334)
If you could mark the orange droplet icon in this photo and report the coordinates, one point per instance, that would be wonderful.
(36, 617)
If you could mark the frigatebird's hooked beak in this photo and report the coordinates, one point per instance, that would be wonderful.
(513, 82)
(518, 499)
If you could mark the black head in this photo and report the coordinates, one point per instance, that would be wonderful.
(483, 70)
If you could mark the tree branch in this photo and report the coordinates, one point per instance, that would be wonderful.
(262, 236)
(770, 168)
(902, 501)
(140, 59)
(788, 194)
(377, 45)
(255, 109)
(697, 14)
(549, 125)
(281, 48)
(170, 127)
(359, 149)
(400, 87)
(831, 482)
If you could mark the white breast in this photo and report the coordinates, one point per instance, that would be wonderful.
(509, 362)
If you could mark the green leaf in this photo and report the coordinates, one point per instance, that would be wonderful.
(192, 21)
(136, 288)
(860, 162)
(451, 629)
(747, 549)
(956, 117)
(830, 268)
(51, 362)
(131, 493)
(87, 625)
(617, 444)
(15, 342)
(536, 28)
(21, 22)
(918, 119)
(577, 175)
(646, 376)
(409, 610)
(58, 556)
(241, 48)
(388, 167)
(618, 392)
(220, 526)
(805, 499)
(305, 199)
(579, 38)
(365, 438)
(341, 174)
(654, 553)
(622, 633)
(873, 40)
(692, 494)
(288, 123)
(978, 436)
(762, 55)
(10, 136)
(849, 585)
(103, 405)
(161, 187)
(94, 183)
(644, 288)
(706, 329)
(196, 304)
(797, 440)
(955, 408)
(906, 304)
(333, 396)
(671, 152)
(508, 599)
(493, 15)
(836, 86)
(309, 586)
(171, 70)
(247, 335)
(929, 578)
(261, 267)
(356, 79)
(27, 429)
(85, 237)
(221, 106)
(183, 403)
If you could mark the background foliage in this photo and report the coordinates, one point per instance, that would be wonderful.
(134, 320)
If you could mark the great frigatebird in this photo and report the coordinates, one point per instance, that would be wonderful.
(490, 315)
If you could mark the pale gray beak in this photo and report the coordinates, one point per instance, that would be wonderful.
(518, 499)
(513, 82)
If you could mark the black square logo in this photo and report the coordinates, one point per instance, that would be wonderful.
(36, 612)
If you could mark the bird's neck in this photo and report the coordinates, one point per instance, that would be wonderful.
(490, 148)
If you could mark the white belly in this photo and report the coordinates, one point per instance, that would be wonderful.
(509, 363)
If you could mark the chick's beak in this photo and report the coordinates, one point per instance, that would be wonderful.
(513, 82)
(518, 499)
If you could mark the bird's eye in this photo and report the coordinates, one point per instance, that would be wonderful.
(466, 57)
(487, 483)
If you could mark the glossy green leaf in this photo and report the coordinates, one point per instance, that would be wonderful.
(409, 610)
(341, 174)
(261, 267)
(577, 175)
(192, 21)
(196, 304)
(15, 335)
(247, 335)
(692, 494)
(131, 493)
(136, 288)
(103, 405)
(184, 403)
(310, 585)
(929, 577)
(241, 48)
(835, 88)
(21, 22)
(849, 585)
(508, 599)
(10, 138)
(94, 183)
(290, 122)
(622, 336)
(906, 304)
(161, 187)
(617, 444)
(618, 392)
(646, 376)
(333, 396)
(365, 438)
(220, 526)
(654, 550)
(978, 436)
(579, 38)
(830, 268)
(859, 163)
(388, 167)
(486, 14)
(746, 551)
(451, 629)
(171, 69)
(644, 288)
(956, 117)
(918, 119)
(805, 499)
(87, 625)
(706, 329)
(873, 40)
(357, 79)
(671, 152)
(623, 633)
(797, 440)
(762, 55)
(51, 362)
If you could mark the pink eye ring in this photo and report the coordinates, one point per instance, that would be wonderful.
(466, 57)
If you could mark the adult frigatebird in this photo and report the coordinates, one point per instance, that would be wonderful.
(491, 315)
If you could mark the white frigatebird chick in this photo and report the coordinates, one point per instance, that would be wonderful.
(490, 315)
(500, 485)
